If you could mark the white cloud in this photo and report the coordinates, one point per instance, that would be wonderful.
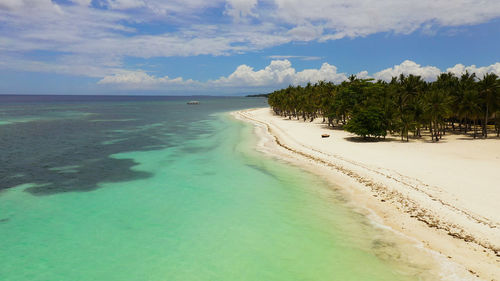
(305, 32)
(160, 7)
(83, 29)
(278, 74)
(353, 18)
(327, 72)
(77, 29)
(89, 66)
(239, 9)
(11, 4)
(428, 73)
(363, 75)
(142, 80)
(126, 4)
(16, 5)
(82, 2)
(460, 69)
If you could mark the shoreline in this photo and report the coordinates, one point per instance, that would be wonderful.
(419, 209)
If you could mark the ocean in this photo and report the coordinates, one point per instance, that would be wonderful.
(150, 188)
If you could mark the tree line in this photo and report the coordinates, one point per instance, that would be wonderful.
(405, 105)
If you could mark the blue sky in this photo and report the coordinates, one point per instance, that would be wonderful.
(234, 47)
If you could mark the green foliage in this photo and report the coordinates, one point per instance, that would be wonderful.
(405, 105)
(369, 121)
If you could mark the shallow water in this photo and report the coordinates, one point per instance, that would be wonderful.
(157, 190)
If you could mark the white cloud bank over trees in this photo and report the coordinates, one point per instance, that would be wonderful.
(280, 73)
(428, 73)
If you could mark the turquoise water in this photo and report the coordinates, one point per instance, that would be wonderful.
(210, 208)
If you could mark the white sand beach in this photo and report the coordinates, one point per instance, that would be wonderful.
(445, 194)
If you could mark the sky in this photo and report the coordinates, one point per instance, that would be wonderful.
(237, 47)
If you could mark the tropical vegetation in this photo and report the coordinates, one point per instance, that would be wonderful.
(406, 106)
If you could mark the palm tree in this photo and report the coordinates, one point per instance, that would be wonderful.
(469, 106)
(419, 115)
(467, 83)
(449, 83)
(489, 87)
(437, 108)
(406, 103)
(409, 89)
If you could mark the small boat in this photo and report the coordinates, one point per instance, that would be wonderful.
(193, 102)
(325, 135)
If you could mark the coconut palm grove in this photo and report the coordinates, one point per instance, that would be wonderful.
(406, 106)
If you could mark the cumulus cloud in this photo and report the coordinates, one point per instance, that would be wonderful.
(460, 69)
(142, 80)
(326, 72)
(428, 73)
(363, 75)
(278, 74)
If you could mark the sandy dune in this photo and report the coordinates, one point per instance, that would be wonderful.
(445, 194)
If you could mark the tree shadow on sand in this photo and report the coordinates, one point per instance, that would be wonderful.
(369, 139)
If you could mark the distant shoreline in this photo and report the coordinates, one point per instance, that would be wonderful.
(404, 184)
